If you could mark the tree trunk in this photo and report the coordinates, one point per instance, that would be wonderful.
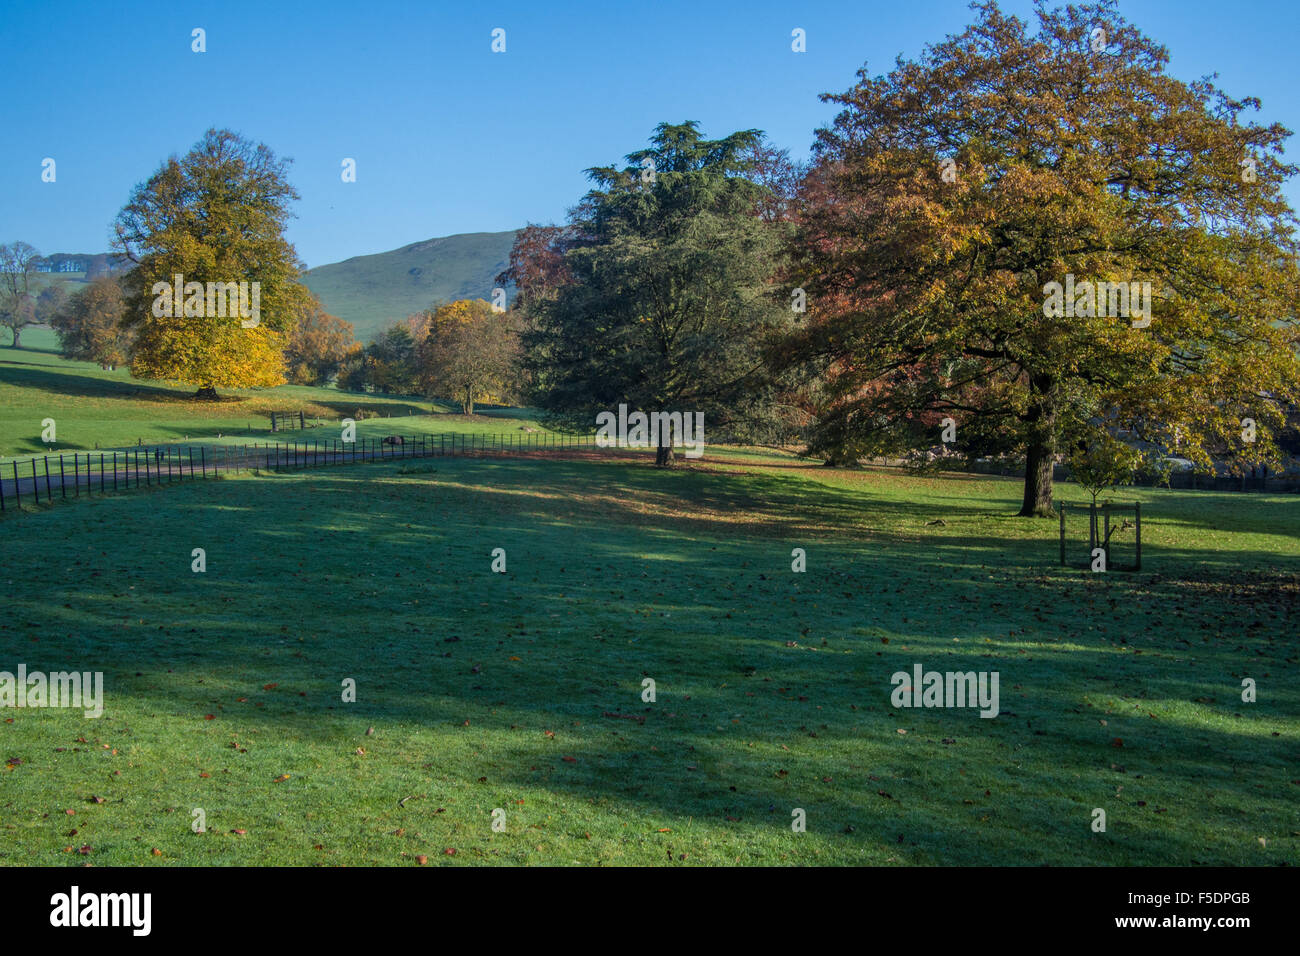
(18, 334)
(1040, 455)
(467, 406)
(207, 393)
(664, 456)
(1038, 481)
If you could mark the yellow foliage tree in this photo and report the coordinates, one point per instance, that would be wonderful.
(215, 218)
(470, 353)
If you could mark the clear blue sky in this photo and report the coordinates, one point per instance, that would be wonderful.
(449, 137)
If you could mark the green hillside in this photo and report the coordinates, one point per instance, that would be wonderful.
(369, 291)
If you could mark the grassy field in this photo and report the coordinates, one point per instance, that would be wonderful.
(97, 409)
(521, 692)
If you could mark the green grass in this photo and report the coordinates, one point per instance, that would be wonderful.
(93, 408)
(1118, 691)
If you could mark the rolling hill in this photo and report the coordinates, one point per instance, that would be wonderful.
(370, 291)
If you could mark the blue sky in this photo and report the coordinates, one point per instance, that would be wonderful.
(449, 137)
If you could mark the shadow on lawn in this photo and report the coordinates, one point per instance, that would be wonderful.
(600, 595)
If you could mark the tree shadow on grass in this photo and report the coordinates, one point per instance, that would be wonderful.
(386, 578)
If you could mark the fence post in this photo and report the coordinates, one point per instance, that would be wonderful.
(203, 460)
(18, 492)
(2, 492)
(115, 471)
(63, 488)
(1062, 534)
(101, 472)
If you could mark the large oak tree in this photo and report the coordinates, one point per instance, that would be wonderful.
(951, 192)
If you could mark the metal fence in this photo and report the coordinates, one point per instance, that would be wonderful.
(72, 474)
